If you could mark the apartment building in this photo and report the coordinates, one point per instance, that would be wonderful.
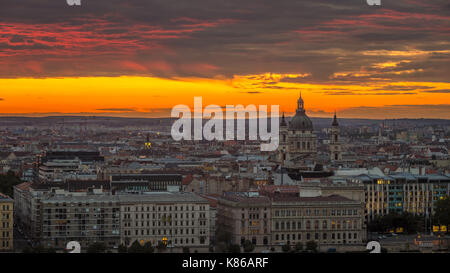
(27, 208)
(86, 219)
(59, 166)
(245, 216)
(56, 216)
(402, 192)
(330, 221)
(178, 219)
(28, 196)
(6, 223)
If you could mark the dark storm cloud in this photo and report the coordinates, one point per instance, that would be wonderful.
(406, 111)
(206, 38)
(403, 87)
(438, 91)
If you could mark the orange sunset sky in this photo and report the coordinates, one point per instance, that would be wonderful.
(141, 58)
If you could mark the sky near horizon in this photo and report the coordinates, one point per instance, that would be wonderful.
(140, 58)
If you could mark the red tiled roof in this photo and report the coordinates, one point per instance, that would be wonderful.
(187, 180)
(212, 198)
(24, 186)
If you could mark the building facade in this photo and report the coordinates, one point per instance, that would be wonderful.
(402, 192)
(297, 139)
(6, 223)
(328, 220)
(245, 217)
(177, 219)
(85, 219)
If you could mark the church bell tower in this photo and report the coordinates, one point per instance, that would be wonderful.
(335, 142)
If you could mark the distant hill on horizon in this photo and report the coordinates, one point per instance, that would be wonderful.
(123, 121)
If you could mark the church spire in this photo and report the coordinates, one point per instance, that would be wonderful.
(300, 103)
(335, 122)
(283, 121)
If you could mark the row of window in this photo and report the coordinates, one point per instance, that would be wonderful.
(165, 208)
(315, 212)
(253, 215)
(164, 217)
(181, 241)
(288, 225)
(181, 231)
(5, 244)
(163, 224)
(334, 236)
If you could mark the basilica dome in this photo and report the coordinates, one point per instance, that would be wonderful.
(300, 122)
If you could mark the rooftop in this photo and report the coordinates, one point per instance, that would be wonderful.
(153, 197)
(319, 199)
(4, 198)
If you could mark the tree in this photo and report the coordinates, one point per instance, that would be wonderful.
(148, 248)
(298, 247)
(312, 246)
(409, 222)
(286, 248)
(221, 247)
(248, 246)
(27, 249)
(39, 249)
(7, 183)
(135, 247)
(161, 246)
(442, 212)
(223, 235)
(234, 248)
(97, 247)
(122, 249)
(51, 250)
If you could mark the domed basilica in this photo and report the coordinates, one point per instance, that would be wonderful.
(297, 139)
